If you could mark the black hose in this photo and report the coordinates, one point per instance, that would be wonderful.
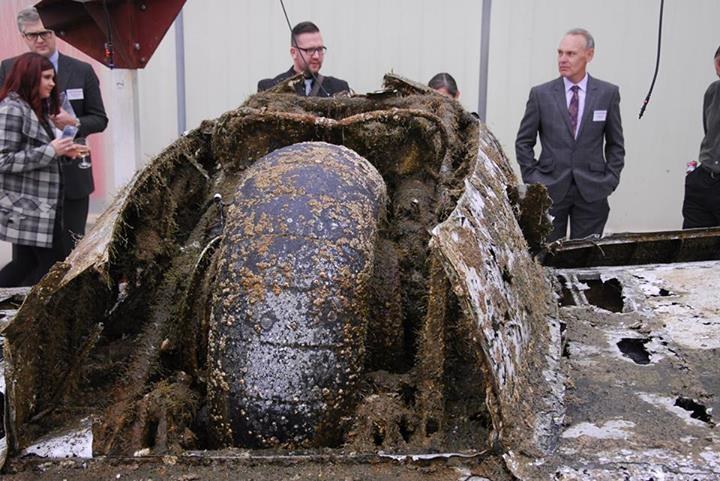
(657, 62)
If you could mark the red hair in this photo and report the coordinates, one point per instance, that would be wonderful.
(24, 79)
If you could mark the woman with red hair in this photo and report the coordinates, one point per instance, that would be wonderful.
(30, 181)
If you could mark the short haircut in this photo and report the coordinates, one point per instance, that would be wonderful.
(300, 28)
(446, 81)
(717, 53)
(589, 40)
(27, 15)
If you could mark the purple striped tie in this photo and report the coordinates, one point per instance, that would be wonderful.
(573, 108)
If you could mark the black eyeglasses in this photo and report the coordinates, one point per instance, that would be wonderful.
(33, 36)
(313, 50)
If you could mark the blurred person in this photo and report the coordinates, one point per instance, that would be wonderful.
(307, 51)
(582, 147)
(30, 179)
(77, 82)
(701, 205)
(444, 83)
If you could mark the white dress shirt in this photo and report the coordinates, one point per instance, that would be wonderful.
(54, 60)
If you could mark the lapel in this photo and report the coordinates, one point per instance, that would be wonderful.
(561, 99)
(299, 86)
(63, 73)
(590, 98)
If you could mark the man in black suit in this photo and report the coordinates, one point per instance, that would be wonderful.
(308, 52)
(78, 82)
(578, 120)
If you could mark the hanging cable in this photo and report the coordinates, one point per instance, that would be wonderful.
(294, 44)
(108, 50)
(657, 62)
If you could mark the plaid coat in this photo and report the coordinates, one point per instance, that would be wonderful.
(30, 181)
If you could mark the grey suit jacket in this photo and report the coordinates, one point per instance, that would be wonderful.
(595, 159)
(74, 74)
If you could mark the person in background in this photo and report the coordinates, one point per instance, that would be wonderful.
(76, 80)
(701, 205)
(445, 84)
(578, 119)
(308, 52)
(30, 179)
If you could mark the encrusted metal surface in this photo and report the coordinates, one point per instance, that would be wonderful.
(643, 369)
(291, 305)
(505, 293)
(170, 307)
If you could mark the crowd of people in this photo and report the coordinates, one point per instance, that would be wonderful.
(44, 191)
(577, 120)
(49, 103)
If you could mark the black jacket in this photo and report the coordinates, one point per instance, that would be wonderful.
(330, 85)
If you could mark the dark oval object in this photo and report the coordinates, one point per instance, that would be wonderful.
(291, 299)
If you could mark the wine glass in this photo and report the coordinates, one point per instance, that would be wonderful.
(84, 151)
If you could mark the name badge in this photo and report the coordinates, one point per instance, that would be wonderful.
(75, 94)
(599, 115)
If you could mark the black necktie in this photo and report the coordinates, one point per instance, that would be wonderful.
(573, 108)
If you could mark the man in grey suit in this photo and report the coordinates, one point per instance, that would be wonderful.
(582, 148)
(77, 80)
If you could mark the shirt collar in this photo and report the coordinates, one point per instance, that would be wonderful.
(582, 84)
(54, 59)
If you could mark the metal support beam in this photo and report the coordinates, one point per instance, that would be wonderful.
(180, 74)
(484, 55)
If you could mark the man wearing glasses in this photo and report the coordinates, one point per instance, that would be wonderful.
(308, 52)
(78, 82)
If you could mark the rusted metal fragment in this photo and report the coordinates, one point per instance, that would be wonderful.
(292, 300)
(635, 249)
(505, 293)
(643, 384)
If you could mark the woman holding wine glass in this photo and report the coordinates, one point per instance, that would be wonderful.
(83, 151)
(30, 180)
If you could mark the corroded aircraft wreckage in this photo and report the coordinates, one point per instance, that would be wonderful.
(352, 288)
